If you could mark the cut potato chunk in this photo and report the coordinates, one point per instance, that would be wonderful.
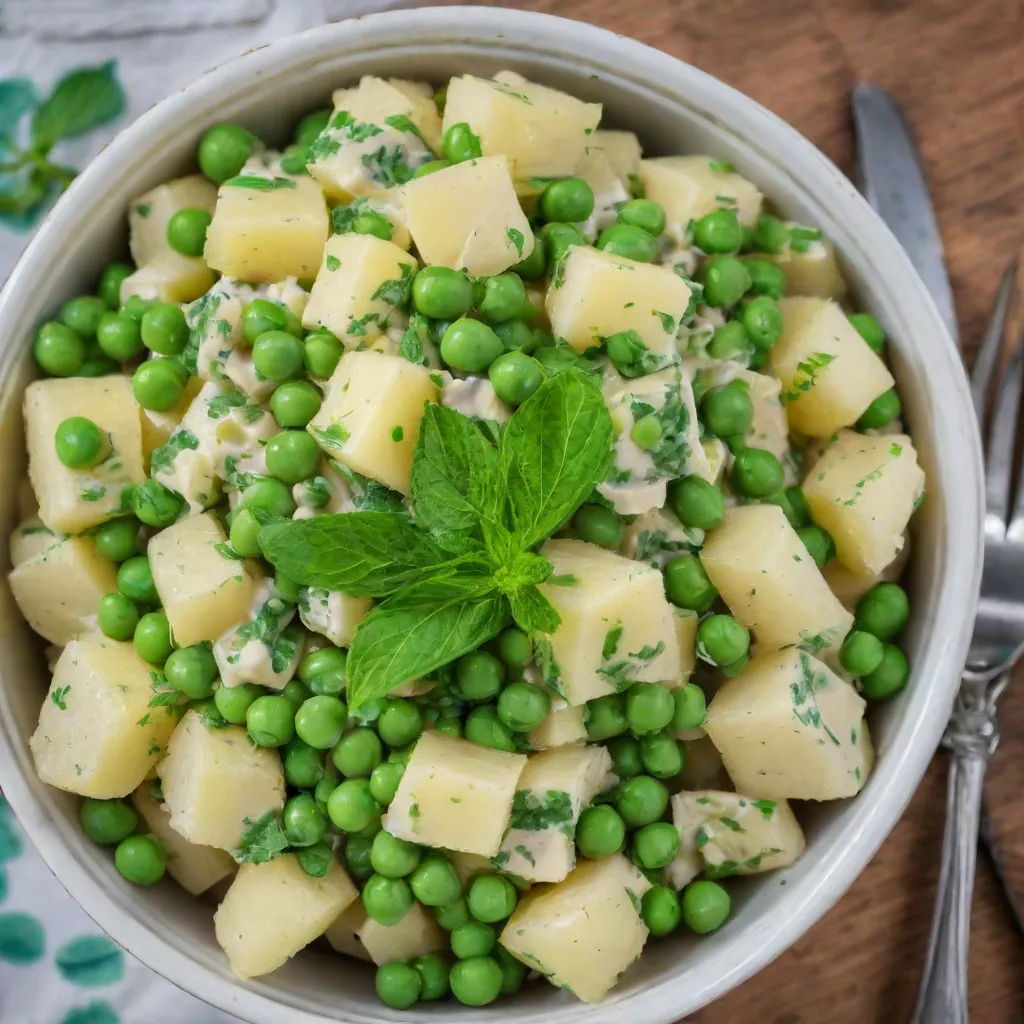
(203, 591)
(149, 213)
(863, 490)
(542, 132)
(361, 281)
(617, 626)
(195, 868)
(455, 794)
(215, 782)
(657, 536)
(829, 373)
(376, 99)
(273, 910)
(601, 294)
(813, 271)
(370, 417)
(467, 217)
(157, 427)
(268, 233)
(169, 277)
(470, 865)
(562, 726)
(788, 728)
(332, 614)
(686, 638)
(585, 931)
(31, 538)
(554, 788)
(850, 587)
(59, 589)
(343, 934)
(97, 735)
(770, 582)
(609, 192)
(415, 935)
(72, 500)
(622, 150)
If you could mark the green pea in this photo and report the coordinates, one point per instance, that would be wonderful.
(794, 505)
(532, 267)
(690, 707)
(433, 972)
(503, 298)
(523, 706)
(192, 670)
(819, 544)
(435, 882)
(449, 726)
(119, 337)
(883, 410)
(156, 505)
(117, 539)
(599, 525)
(357, 857)
(449, 917)
(304, 822)
(706, 906)
(889, 677)
(400, 723)
(661, 755)
(883, 611)
(607, 717)
(393, 858)
(79, 443)
(630, 354)
(82, 314)
(311, 126)
(687, 584)
(649, 707)
(317, 858)
(223, 150)
(459, 143)
(756, 473)
(718, 232)
(163, 329)
(483, 727)
(351, 807)
(515, 647)
(384, 780)
(696, 502)
(140, 859)
(111, 279)
(398, 985)
(135, 306)
(770, 234)
(641, 800)
(233, 701)
(152, 638)
(270, 721)
(244, 534)
(516, 335)
(269, 494)
(186, 231)
(295, 690)
(721, 640)
(726, 281)
(442, 293)
(763, 321)
(107, 822)
(557, 239)
(157, 384)
(277, 355)
(98, 366)
(569, 200)
(625, 754)
(323, 671)
(357, 753)
(766, 278)
(655, 845)
(476, 981)
(646, 432)
(386, 900)
(292, 456)
(479, 676)
(660, 910)
(515, 376)
(135, 580)
(262, 315)
(727, 411)
(513, 971)
(370, 222)
(644, 214)
(470, 346)
(58, 349)
(294, 158)
(628, 241)
(868, 328)
(472, 938)
(320, 720)
(861, 653)
(431, 167)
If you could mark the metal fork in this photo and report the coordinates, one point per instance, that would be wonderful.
(997, 645)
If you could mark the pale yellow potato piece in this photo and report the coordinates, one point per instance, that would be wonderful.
(850, 587)
(467, 217)
(562, 725)
(149, 213)
(688, 187)
(157, 427)
(702, 766)
(657, 536)
(417, 934)
(389, 205)
(259, 235)
(376, 98)
(542, 132)
(585, 931)
(332, 614)
(195, 868)
(31, 538)
(609, 192)
(602, 294)
(203, 591)
(788, 727)
(616, 604)
(58, 590)
(72, 500)
(555, 787)
(469, 865)
(215, 779)
(370, 417)
(27, 504)
(343, 934)
(770, 582)
(686, 637)
(813, 272)
(623, 152)
(97, 735)
(361, 280)
(169, 277)
(829, 373)
(273, 910)
(863, 490)
(455, 794)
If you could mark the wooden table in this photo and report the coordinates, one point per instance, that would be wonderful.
(958, 69)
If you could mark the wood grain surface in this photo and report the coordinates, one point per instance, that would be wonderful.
(958, 69)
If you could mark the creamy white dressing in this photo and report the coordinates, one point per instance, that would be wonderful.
(243, 658)
(474, 397)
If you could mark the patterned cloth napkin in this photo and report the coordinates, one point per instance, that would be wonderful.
(72, 74)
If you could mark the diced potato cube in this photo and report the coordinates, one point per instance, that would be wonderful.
(562, 726)
(622, 150)
(471, 865)
(467, 217)
(455, 794)
(343, 934)
(601, 294)
(72, 500)
(686, 638)
(149, 213)
(273, 910)
(617, 625)
(850, 587)
(169, 277)
(203, 591)
(375, 99)
(769, 429)
(266, 234)
(554, 788)
(361, 281)
(157, 427)
(58, 590)
(371, 412)
(542, 132)
(195, 868)
(863, 490)
(811, 272)
(417, 934)
(332, 614)
(609, 192)
(29, 539)
(97, 735)
(215, 779)
(829, 373)
(585, 931)
(788, 728)
(770, 583)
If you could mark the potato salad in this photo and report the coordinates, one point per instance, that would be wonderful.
(458, 537)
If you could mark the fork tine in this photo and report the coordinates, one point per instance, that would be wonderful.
(992, 343)
(1002, 444)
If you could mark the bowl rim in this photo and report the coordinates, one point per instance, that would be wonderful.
(957, 438)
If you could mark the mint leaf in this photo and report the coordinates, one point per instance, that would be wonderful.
(254, 181)
(80, 101)
(533, 611)
(262, 841)
(556, 447)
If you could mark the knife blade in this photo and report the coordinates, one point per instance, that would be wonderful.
(891, 176)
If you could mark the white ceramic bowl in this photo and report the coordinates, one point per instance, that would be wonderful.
(675, 108)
